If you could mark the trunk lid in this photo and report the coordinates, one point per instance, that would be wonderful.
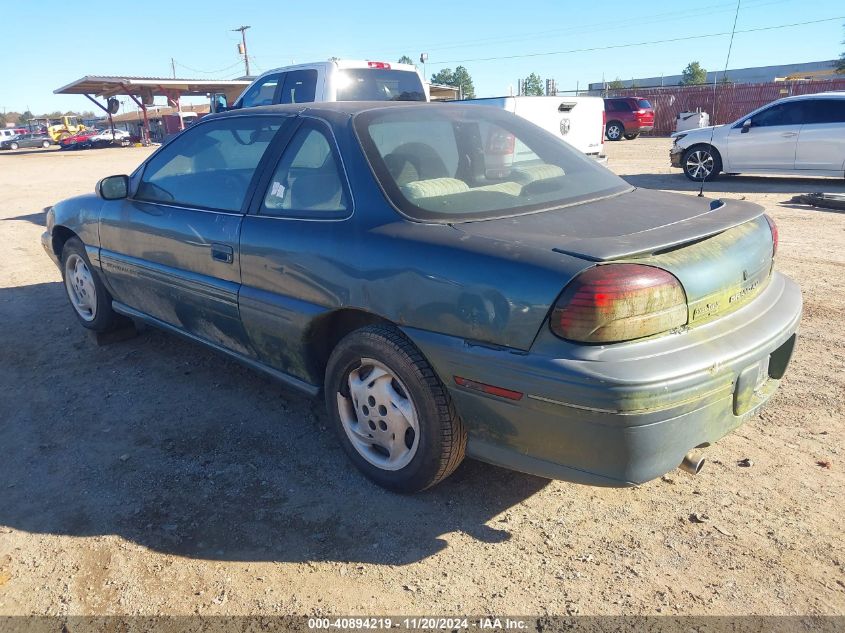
(720, 252)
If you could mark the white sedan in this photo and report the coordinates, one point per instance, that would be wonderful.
(109, 137)
(803, 135)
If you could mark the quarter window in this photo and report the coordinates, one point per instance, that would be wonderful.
(308, 179)
(210, 165)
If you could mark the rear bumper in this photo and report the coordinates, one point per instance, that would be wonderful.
(636, 128)
(621, 414)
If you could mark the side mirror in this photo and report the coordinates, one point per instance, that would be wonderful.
(113, 187)
(746, 126)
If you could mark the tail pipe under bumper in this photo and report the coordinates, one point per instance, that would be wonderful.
(692, 464)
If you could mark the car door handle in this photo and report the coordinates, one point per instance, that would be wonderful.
(222, 253)
(789, 134)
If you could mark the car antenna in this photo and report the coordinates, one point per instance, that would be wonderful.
(716, 83)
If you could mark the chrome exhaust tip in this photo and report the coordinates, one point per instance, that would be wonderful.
(691, 464)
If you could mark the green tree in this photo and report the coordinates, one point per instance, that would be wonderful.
(460, 78)
(25, 116)
(693, 75)
(405, 60)
(616, 84)
(444, 76)
(463, 80)
(725, 80)
(532, 85)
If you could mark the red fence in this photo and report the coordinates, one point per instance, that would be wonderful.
(731, 100)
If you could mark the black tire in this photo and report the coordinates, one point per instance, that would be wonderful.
(703, 156)
(614, 131)
(13, 146)
(631, 137)
(45, 144)
(104, 317)
(441, 441)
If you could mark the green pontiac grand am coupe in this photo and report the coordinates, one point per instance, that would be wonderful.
(454, 280)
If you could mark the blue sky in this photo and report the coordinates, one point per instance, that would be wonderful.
(122, 39)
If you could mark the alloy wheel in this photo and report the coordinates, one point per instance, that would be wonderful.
(699, 164)
(79, 282)
(614, 132)
(378, 416)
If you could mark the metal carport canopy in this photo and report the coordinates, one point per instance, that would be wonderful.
(108, 86)
(148, 88)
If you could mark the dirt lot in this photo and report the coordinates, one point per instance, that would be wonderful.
(152, 476)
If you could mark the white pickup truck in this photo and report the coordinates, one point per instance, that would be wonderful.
(577, 120)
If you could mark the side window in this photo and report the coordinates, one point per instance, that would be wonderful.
(308, 179)
(790, 113)
(262, 92)
(826, 111)
(210, 165)
(300, 87)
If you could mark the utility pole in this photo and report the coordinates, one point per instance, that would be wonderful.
(242, 47)
(173, 67)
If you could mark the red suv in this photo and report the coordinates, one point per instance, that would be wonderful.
(627, 116)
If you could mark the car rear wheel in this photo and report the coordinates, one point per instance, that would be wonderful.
(701, 162)
(88, 296)
(631, 137)
(614, 131)
(13, 146)
(393, 416)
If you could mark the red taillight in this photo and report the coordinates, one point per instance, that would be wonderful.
(489, 389)
(500, 142)
(383, 65)
(775, 237)
(619, 302)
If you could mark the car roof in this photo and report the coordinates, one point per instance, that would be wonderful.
(330, 108)
(834, 94)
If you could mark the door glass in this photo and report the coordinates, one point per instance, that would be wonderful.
(826, 111)
(308, 179)
(209, 165)
(781, 114)
(300, 87)
(262, 92)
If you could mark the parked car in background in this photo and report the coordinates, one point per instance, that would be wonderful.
(108, 137)
(577, 120)
(803, 135)
(26, 140)
(9, 132)
(334, 80)
(77, 141)
(627, 117)
(546, 317)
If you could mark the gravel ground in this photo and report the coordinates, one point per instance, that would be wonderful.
(153, 477)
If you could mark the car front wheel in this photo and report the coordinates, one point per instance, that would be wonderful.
(393, 416)
(614, 131)
(88, 296)
(701, 162)
(45, 144)
(13, 146)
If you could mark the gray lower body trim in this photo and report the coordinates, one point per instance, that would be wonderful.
(290, 381)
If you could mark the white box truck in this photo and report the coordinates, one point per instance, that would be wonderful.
(577, 120)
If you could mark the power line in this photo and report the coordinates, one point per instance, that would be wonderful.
(635, 44)
(210, 72)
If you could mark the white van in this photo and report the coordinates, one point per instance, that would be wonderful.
(577, 120)
(334, 80)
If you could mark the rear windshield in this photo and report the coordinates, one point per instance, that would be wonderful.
(378, 84)
(463, 163)
(644, 103)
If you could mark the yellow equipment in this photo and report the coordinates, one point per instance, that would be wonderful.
(59, 128)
